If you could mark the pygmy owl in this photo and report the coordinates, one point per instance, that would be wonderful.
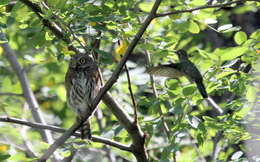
(82, 84)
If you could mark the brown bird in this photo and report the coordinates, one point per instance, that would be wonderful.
(82, 84)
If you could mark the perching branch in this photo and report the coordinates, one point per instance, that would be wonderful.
(119, 112)
(202, 7)
(61, 130)
(121, 115)
(138, 138)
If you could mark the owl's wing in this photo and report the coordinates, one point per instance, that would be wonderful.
(169, 70)
(68, 80)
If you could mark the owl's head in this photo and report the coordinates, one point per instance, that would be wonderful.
(81, 61)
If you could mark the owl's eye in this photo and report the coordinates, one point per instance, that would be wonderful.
(82, 60)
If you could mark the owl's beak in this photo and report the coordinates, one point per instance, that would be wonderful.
(73, 64)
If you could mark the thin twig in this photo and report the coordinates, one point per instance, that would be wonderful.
(11, 94)
(98, 114)
(134, 131)
(165, 125)
(23, 132)
(202, 7)
(53, 26)
(216, 140)
(131, 94)
(19, 147)
(61, 130)
(27, 92)
(75, 37)
(116, 109)
(196, 148)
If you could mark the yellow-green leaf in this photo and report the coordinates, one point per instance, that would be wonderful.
(230, 53)
(61, 92)
(240, 37)
(194, 27)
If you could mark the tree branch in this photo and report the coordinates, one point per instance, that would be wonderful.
(11, 94)
(27, 91)
(131, 94)
(53, 26)
(61, 130)
(121, 115)
(202, 7)
(138, 138)
(165, 125)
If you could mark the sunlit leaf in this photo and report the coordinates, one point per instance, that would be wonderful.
(48, 36)
(23, 26)
(251, 93)
(225, 27)
(194, 27)
(66, 153)
(210, 21)
(240, 37)
(230, 53)
(61, 92)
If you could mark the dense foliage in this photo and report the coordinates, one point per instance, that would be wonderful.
(222, 42)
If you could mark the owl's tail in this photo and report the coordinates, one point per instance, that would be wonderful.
(85, 130)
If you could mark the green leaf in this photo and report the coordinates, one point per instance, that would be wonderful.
(23, 26)
(146, 6)
(61, 92)
(66, 153)
(4, 2)
(224, 74)
(198, 3)
(230, 53)
(4, 156)
(48, 36)
(194, 27)
(240, 37)
(255, 35)
(251, 93)
(187, 91)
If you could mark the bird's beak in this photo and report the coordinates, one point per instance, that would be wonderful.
(73, 64)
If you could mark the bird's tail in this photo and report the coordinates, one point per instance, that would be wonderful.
(204, 94)
(85, 130)
(215, 105)
(201, 89)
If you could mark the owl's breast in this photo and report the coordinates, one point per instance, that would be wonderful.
(78, 97)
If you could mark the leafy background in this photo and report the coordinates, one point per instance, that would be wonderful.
(223, 43)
